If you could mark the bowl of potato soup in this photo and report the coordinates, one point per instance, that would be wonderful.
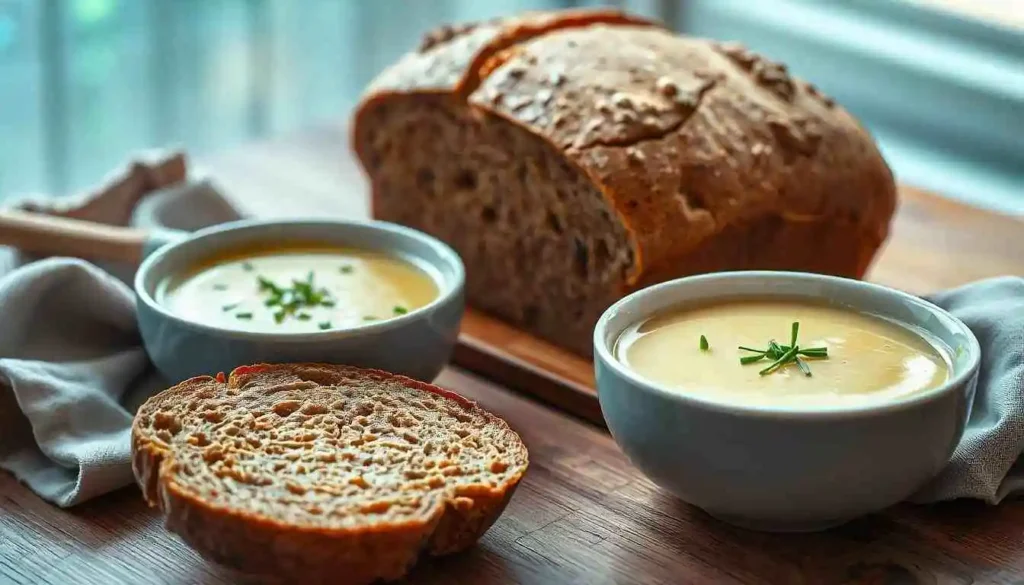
(363, 293)
(784, 401)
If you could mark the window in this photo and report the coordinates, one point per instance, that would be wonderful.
(940, 83)
(85, 82)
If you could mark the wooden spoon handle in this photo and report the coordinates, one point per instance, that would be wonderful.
(60, 236)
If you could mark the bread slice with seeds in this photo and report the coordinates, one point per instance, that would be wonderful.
(313, 471)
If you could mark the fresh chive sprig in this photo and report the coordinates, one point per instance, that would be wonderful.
(782, 355)
(292, 300)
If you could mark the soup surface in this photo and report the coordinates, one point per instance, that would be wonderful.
(298, 290)
(869, 360)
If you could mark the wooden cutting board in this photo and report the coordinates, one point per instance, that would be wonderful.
(935, 244)
(527, 364)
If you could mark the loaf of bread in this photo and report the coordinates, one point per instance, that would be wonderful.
(323, 474)
(572, 157)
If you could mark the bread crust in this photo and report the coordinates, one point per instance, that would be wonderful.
(687, 139)
(451, 58)
(260, 544)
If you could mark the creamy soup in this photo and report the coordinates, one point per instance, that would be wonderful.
(850, 358)
(298, 290)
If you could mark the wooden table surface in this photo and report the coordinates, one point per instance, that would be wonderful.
(583, 515)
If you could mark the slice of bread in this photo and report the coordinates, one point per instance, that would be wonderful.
(323, 473)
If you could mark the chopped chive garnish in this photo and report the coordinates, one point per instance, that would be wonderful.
(786, 358)
(289, 301)
(301, 288)
(369, 318)
(324, 325)
(399, 310)
(247, 266)
(781, 355)
(220, 286)
(243, 315)
(776, 352)
(704, 346)
(347, 269)
(230, 307)
(802, 365)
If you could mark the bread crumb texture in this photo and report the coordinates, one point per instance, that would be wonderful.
(301, 471)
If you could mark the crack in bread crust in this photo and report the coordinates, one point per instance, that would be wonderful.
(526, 27)
(320, 470)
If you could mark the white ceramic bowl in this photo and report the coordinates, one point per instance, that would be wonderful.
(784, 469)
(417, 344)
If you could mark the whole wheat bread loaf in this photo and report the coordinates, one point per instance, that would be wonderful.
(571, 157)
(323, 474)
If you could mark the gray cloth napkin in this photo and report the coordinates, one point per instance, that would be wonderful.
(72, 366)
(988, 464)
(72, 371)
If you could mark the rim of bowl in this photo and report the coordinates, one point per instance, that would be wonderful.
(451, 291)
(603, 352)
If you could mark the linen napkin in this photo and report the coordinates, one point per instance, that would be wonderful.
(988, 463)
(72, 366)
(73, 370)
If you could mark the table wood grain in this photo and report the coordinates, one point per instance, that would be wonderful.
(583, 514)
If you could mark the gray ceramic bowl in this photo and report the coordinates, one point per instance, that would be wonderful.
(784, 469)
(417, 344)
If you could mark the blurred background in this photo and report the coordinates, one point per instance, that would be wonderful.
(83, 83)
